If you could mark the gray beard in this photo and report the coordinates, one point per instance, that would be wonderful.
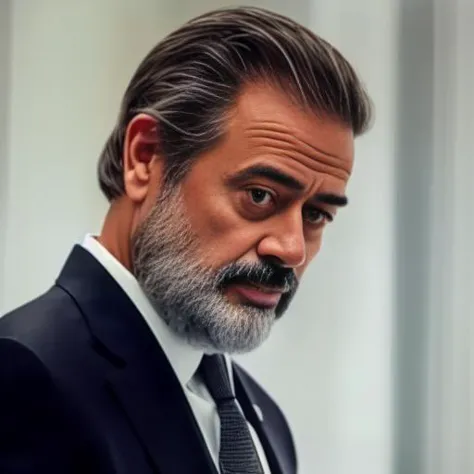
(185, 291)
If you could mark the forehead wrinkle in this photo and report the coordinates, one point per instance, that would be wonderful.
(291, 145)
(315, 165)
(276, 129)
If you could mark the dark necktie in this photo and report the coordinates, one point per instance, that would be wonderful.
(237, 454)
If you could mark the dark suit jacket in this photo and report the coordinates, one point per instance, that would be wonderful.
(85, 388)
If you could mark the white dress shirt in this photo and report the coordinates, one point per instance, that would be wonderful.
(184, 358)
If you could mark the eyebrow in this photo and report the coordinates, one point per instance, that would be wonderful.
(332, 199)
(268, 172)
(274, 174)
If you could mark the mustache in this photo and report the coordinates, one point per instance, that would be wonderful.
(266, 274)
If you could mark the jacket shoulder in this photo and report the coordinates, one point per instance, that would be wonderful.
(45, 323)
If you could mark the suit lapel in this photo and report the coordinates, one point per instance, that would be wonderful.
(141, 379)
(155, 404)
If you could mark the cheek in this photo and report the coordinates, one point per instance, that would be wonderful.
(223, 234)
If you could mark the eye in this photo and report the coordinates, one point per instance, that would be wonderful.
(260, 197)
(316, 216)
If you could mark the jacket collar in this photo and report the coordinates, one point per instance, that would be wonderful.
(183, 357)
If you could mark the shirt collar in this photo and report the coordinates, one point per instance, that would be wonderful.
(184, 358)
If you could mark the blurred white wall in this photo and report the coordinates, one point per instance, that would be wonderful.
(450, 387)
(329, 361)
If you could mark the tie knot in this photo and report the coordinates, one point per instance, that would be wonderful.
(216, 377)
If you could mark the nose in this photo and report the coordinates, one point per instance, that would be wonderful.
(285, 244)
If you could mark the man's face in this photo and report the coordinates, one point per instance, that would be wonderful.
(221, 255)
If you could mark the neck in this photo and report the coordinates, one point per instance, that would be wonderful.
(117, 231)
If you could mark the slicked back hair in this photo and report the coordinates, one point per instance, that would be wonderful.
(190, 79)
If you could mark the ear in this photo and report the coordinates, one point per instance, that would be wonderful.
(141, 159)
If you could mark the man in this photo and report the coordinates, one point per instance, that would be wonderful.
(231, 154)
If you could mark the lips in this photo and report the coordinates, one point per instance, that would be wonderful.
(258, 296)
